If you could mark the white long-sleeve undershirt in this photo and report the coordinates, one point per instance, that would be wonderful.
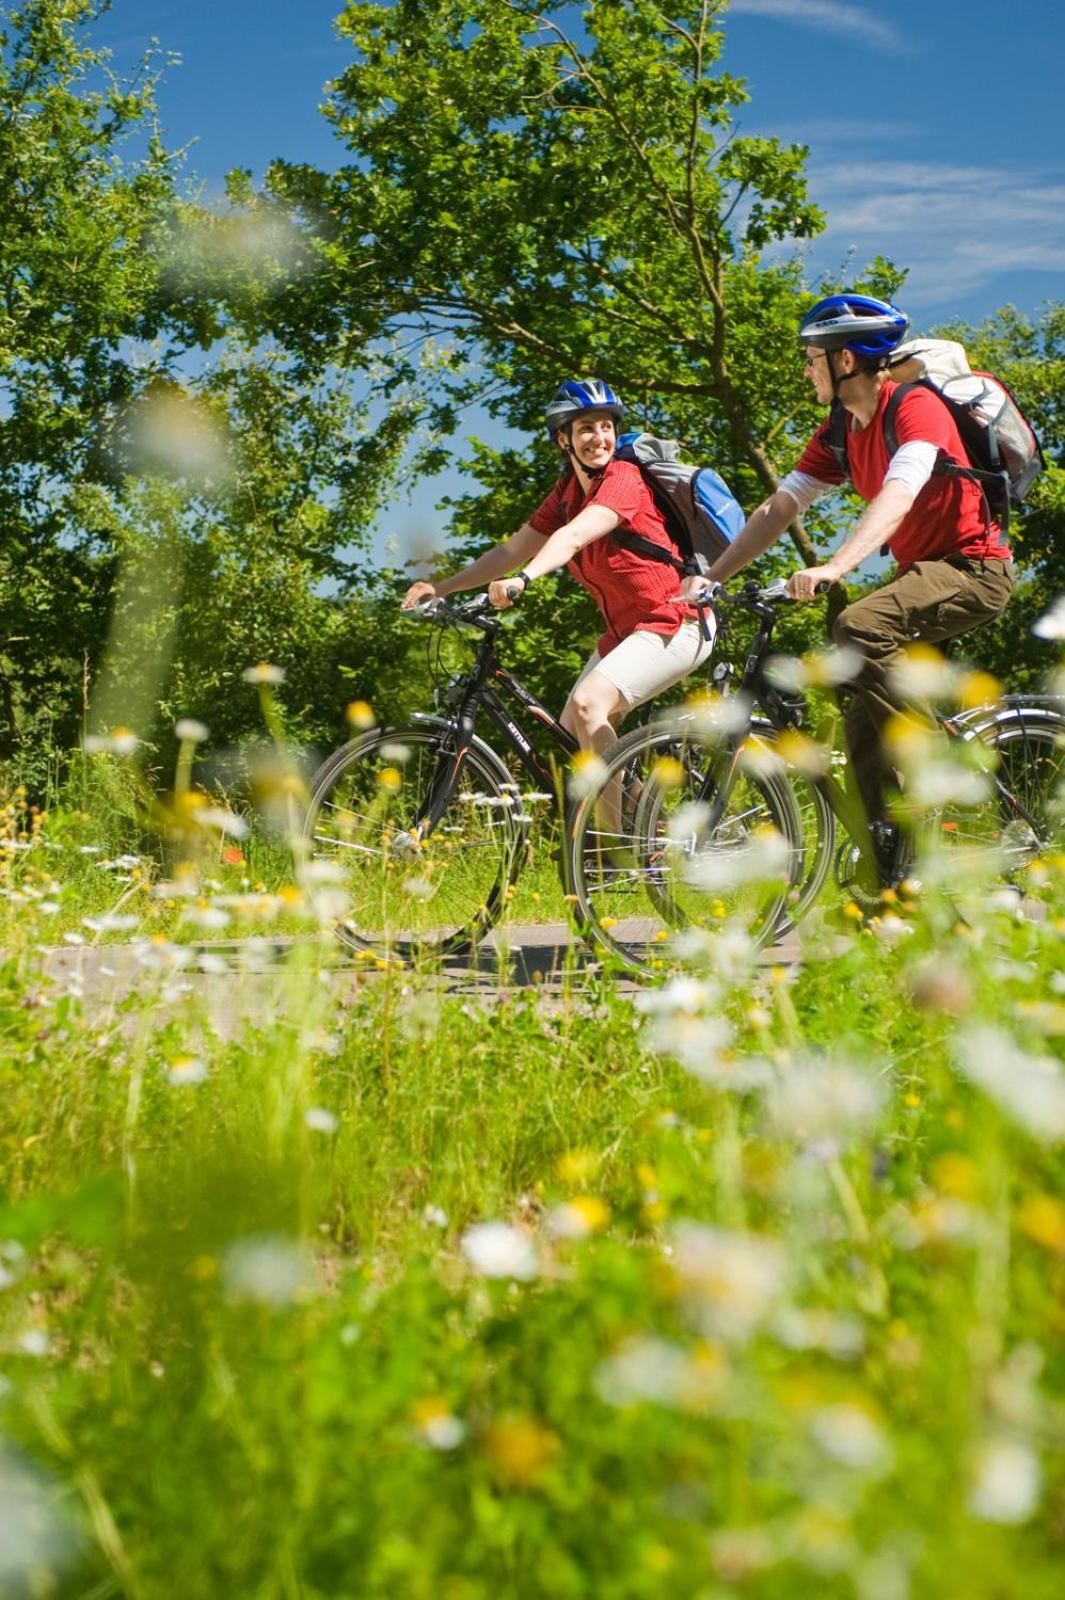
(911, 464)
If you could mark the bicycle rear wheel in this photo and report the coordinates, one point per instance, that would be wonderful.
(702, 843)
(1019, 814)
(411, 891)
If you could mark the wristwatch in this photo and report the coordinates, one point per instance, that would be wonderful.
(524, 576)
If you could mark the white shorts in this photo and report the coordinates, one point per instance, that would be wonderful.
(645, 664)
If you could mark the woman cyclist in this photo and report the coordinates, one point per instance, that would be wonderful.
(649, 640)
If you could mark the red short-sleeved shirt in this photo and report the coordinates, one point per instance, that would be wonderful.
(633, 592)
(947, 518)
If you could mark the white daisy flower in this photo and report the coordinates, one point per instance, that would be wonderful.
(499, 1251)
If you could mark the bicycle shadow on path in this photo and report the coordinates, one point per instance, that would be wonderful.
(552, 958)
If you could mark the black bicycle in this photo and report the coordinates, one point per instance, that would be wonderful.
(425, 828)
(738, 807)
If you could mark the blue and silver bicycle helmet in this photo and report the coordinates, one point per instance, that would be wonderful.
(854, 322)
(581, 394)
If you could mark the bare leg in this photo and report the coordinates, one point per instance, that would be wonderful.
(592, 714)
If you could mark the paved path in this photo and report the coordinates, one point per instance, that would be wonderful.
(546, 956)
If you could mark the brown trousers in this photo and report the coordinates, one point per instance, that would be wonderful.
(931, 601)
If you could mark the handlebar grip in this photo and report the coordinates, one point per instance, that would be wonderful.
(515, 594)
(823, 587)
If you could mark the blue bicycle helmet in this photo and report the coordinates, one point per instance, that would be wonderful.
(581, 394)
(854, 322)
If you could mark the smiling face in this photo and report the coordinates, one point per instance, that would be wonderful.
(593, 438)
(819, 373)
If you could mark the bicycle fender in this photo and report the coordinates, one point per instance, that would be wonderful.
(983, 720)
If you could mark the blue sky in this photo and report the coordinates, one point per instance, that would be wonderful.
(935, 130)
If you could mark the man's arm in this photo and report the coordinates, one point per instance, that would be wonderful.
(875, 527)
(762, 528)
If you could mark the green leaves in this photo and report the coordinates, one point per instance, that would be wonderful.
(560, 194)
(122, 441)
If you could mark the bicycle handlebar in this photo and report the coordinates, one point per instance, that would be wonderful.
(751, 594)
(473, 612)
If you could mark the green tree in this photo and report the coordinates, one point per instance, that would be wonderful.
(555, 193)
(77, 284)
(241, 545)
(153, 491)
(536, 192)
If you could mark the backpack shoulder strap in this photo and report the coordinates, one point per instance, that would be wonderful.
(945, 463)
(891, 410)
(835, 436)
(640, 546)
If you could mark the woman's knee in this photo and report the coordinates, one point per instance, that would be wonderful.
(592, 704)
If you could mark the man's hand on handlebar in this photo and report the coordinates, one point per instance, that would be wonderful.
(418, 592)
(806, 585)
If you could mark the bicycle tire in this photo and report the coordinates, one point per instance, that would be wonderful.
(409, 895)
(1000, 835)
(818, 825)
(634, 888)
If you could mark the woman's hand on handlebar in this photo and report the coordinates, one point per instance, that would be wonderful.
(694, 590)
(809, 583)
(418, 591)
(505, 591)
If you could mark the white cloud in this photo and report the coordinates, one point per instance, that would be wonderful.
(955, 226)
(829, 16)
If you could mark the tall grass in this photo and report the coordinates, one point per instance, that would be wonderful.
(788, 1318)
(751, 1285)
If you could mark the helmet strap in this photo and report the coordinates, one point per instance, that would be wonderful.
(840, 378)
(565, 435)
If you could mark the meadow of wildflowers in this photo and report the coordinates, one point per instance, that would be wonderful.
(750, 1286)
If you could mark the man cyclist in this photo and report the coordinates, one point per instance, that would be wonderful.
(953, 567)
(649, 642)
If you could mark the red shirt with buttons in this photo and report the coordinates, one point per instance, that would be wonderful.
(634, 593)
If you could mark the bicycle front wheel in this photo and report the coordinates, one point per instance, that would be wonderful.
(1014, 812)
(411, 888)
(675, 836)
(818, 825)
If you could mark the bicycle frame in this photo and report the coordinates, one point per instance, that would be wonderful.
(847, 808)
(477, 693)
(515, 735)
(782, 714)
